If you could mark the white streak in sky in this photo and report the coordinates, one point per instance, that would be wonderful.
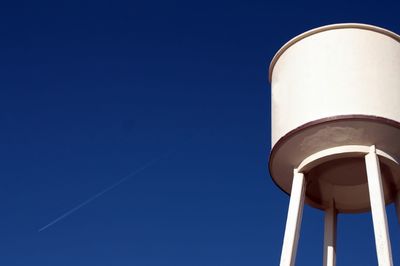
(92, 198)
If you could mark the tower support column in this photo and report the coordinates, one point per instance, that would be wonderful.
(330, 236)
(381, 231)
(293, 221)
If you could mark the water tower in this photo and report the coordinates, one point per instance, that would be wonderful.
(336, 129)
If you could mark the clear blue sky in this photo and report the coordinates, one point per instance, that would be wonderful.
(92, 91)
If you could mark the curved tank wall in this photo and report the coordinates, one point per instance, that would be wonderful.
(335, 70)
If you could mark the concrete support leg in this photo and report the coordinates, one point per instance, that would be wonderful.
(330, 236)
(382, 240)
(293, 221)
(397, 204)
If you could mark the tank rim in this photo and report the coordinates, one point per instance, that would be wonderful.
(327, 28)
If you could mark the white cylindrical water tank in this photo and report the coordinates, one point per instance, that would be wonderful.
(334, 86)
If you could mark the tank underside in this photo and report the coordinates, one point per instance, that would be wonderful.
(342, 180)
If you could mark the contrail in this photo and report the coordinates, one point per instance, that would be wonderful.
(92, 198)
